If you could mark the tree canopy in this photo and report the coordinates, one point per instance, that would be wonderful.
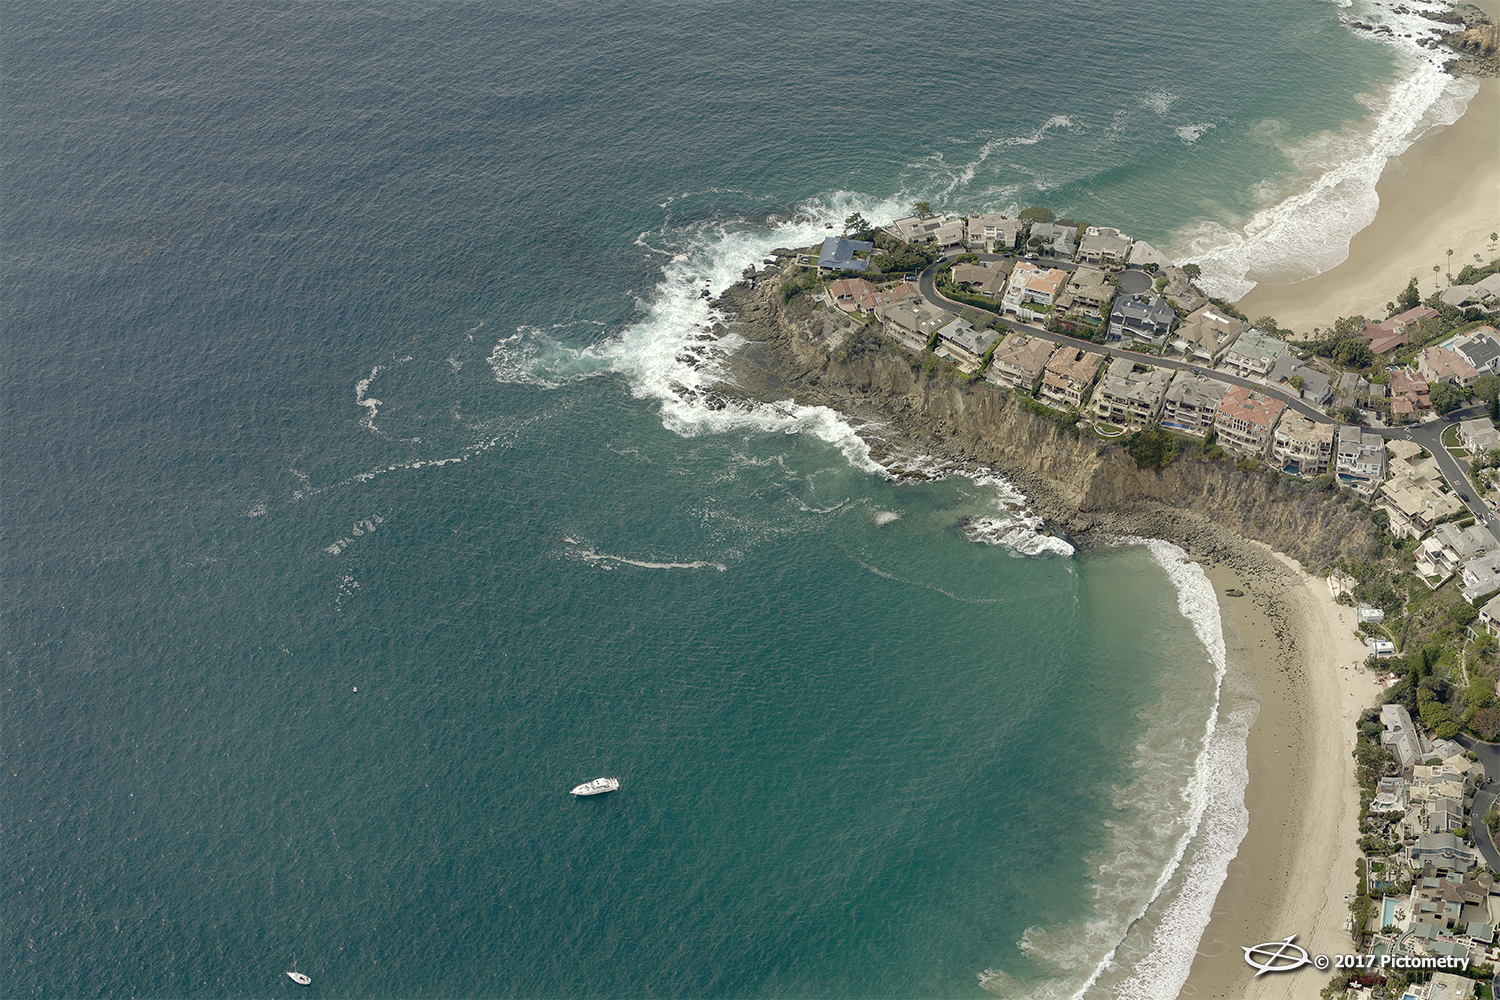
(1446, 398)
(1036, 214)
(1193, 271)
(922, 209)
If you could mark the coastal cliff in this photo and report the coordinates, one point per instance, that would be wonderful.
(1086, 486)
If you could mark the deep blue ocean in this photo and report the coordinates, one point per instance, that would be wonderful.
(357, 503)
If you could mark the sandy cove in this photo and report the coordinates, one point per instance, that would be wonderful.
(1443, 193)
(1295, 867)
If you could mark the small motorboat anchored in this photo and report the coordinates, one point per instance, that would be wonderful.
(597, 787)
(300, 979)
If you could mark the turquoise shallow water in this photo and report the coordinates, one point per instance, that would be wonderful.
(340, 351)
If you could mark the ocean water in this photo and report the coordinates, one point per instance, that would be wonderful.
(362, 495)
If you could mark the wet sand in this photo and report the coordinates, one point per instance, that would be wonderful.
(1296, 863)
(1443, 193)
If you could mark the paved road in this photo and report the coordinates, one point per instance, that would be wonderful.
(1489, 759)
(1428, 435)
(927, 285)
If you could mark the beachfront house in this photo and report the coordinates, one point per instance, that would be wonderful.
(840, 254)
(1400, 737)
(1191, 402)
(1483, 294)
(851, 294)
(1069, 375)
(1060, 241)
(1302, 445)
(989, 233)
(1131, 395)
(964, 343)
(1103, 245)
(1396, 332)
(916, 229)
(1136, 321)
(1018, 362)
(1245, 421)
(912, 322)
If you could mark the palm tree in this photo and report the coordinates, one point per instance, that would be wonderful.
(1450, 266)
(1435, 269)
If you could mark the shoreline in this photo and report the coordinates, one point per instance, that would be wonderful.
(1442, 193)
(1295, 865)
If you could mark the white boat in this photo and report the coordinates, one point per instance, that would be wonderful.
(597, 787)
(300, 979)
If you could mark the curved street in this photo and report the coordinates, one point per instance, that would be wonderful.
(927, 285)
(1428, 435)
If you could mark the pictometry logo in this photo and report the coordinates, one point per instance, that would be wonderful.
(1276, 956)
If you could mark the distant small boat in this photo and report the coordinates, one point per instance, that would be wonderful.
(300, 979)
(597, 787)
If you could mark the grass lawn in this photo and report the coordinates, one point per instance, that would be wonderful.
(1450, 438)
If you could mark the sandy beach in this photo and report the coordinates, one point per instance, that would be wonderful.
(1296, 863)
(1443, 193)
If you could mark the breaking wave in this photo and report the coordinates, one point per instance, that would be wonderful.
(1185, 808)
(1306, 226)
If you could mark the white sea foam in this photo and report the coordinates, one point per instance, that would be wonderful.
(1190, 134)
(884, 517)
(1160, 101)
(370, 404)
(1016, 527)
(671, 357)
(365, 526)
(1308, 222)
(584, 553)
(1186, 802)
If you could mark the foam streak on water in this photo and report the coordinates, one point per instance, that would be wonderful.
(1305, 229)
(1182, 804)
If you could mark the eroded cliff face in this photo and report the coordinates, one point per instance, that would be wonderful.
(1086, 486)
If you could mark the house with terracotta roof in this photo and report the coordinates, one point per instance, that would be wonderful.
(1018, 361)
(1246, 420)
(887, 296)
(1438, 364)
(1032, 290)
(1070, 373)
(850, 294)
(1409, 395)
(1395, 332)
(1304, 443)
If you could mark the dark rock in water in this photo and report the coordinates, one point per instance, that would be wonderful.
(783, 252)
(1234, 592)
(703, 294)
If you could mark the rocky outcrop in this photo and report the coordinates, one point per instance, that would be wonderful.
(1483, 40)
(1086, 486)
